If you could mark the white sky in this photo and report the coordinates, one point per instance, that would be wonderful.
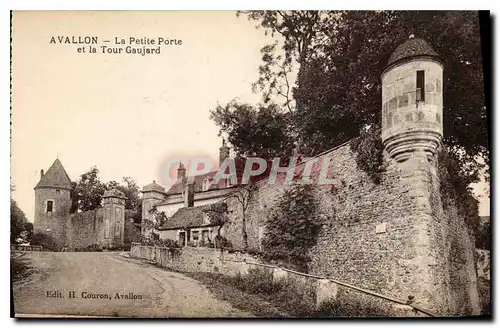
(123, 113)
(126, 114)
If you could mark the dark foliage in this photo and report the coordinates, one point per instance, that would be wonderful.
(483, 237)
(44, 240)
(356, 307)
(20, 229)
(290, 298)
(337, 94)
(19, 268)
(369, 150)
(255, 131)
(86, 194)
(224, 289)
(222, 242)
(293, 228)
(456, 191)
(145, 241)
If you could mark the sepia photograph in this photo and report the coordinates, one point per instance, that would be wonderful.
(250, 164)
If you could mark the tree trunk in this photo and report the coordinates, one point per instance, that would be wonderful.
(218, 238)
(244, 231)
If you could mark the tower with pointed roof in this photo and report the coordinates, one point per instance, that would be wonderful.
(412, 100)
(52, 201)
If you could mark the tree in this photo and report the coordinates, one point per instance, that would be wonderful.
(86, 194)
(254, 131)
(218, 215)
(131, 191)
(19, 225)
(344, 83)
(297, 32)
(158, 218)
(244, 196)
(337, 91)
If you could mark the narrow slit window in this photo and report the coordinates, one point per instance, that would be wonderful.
(420, 86)
(50, 206)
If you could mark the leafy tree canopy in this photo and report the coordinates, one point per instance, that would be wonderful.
(261, 130)
(20, 229)
(87, 192)
(337, 89)
(132, 191)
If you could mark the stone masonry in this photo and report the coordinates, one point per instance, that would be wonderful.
(395, 237)
(103, 226)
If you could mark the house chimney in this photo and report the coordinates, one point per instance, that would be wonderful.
(41, 173)
(223, 152)
(181, 172)
(189, 194)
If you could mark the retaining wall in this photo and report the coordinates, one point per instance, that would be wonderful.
(192, 259)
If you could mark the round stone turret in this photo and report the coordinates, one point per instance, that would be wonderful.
(412, 100)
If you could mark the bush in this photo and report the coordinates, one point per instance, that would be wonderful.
(485, 295)
(204, 243)
(356, 307)
(144, 241)
(93, 248)
(299, 300)
(369, 148)
(19, 268)
(286, 294)
(259, 281)
(223, 242)
(455, 190)
(167, 243)
(293, 228)
(44, 240)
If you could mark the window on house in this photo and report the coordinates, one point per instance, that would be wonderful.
(206, 184)
(50, 206)
(230, 181)
(196, 235)
(58, 191)
(420, 86)
(204, 235)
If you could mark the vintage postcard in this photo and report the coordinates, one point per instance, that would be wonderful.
(253, 164)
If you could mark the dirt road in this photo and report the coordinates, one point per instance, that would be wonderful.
(107, 284)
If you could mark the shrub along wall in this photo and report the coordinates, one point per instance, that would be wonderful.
(326, 293)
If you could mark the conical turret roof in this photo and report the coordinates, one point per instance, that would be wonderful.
(413, 47)
(55, 177)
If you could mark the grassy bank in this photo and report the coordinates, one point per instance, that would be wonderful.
(224, 289)
(19, 268)
(259, 294)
